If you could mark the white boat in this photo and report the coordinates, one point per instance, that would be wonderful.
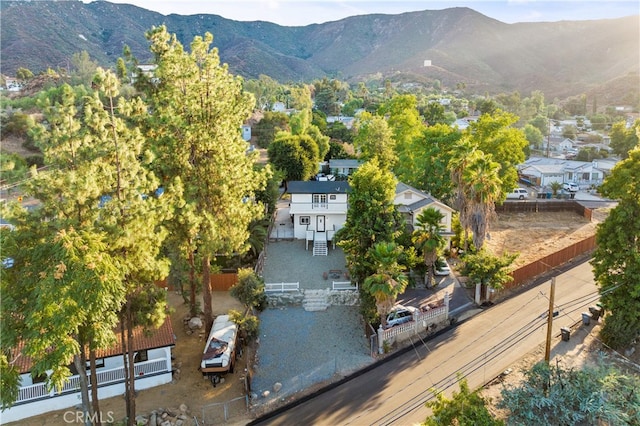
(219, 353)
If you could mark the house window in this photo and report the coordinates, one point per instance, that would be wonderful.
(141, 356)
(319, 201)
(585, 176)
(40, 378)
(305, 220)
(332, 197)
(594, 176)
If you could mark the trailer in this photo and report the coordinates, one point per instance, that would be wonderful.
(219, 355)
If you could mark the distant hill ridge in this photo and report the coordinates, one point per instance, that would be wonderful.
(559, 58)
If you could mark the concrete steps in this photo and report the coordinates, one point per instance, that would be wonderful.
(320, 248)
(315, 300)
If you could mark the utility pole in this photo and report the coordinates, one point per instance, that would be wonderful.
(547, 349)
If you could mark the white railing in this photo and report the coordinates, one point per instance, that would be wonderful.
(26, 393)
(422, 320)
(105, 377)
(344, 285)
(281, 287)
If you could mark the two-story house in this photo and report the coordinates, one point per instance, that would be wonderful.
(318, 209)
(411, 202)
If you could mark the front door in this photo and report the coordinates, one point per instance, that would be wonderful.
(320, 223)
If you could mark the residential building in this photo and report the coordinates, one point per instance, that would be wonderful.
(542, 171)
(318, 209)
(152, 368)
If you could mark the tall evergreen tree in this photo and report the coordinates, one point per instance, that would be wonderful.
(198, 109)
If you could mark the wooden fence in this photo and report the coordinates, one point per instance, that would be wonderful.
(535, 206)
(547, 263)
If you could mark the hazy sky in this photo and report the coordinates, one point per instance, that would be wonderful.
(303, 12)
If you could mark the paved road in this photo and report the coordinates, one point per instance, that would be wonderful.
(481, 348)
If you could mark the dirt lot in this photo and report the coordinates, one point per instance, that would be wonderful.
(535, 235)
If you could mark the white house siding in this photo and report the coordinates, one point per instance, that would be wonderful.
(302, 206)
(55, 402)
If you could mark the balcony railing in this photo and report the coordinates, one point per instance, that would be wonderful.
(105, 377)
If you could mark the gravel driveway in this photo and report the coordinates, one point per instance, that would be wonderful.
(299, 349)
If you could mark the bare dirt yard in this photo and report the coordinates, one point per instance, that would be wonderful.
(535, 235)
(188, 387)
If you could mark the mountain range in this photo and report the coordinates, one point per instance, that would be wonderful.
(561, 59)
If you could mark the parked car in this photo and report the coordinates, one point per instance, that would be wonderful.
(399, 315)
(570, 186)
(442, 268)
(518, 194)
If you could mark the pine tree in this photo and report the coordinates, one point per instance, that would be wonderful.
(198, 109)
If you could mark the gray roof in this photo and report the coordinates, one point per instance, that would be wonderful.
(317, 187)
(347, 162)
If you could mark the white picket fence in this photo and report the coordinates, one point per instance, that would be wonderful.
(281, 287)
(344, 285)
(422, 320)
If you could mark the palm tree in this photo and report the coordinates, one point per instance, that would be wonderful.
(460, 160)
(428, 240)
(388, 281)
(482, 188)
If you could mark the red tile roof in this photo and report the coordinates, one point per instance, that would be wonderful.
(152, 339)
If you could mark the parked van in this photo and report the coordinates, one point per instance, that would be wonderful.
(518, 194)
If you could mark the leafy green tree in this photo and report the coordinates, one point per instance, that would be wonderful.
(24, 74)
(495, 135)
(374, 139)
(434, 114)
(570, 131)
(372, 217)
(616, 260)
(403, 119)
(555, 187)
(249, 290)
(624, 140)
(533, 135)
(488, 269)
(219, 178)
(265, 91)
(329, 94)
(553, 395)
(388, 280)
(425, 163)
(84, 67)
(301, 97)
(338, 131)
(428, 239)
(13, 168)
(296, 156)
(541, 123)
(464, 408)
(266, 129)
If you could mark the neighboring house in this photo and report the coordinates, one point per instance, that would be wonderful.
(246, 132)
(152, 367)
(343, 167)
(318, 209)
(541, 171)
(279, 107)
(347, 121)
(566, 145)
(411, 202)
